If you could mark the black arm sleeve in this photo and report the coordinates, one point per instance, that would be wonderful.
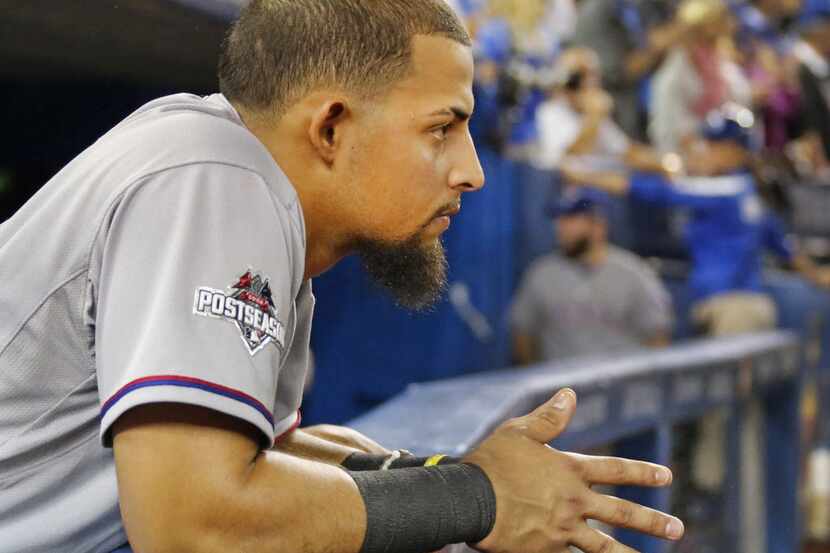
(416, 510)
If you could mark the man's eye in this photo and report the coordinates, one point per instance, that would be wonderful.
(441, 132)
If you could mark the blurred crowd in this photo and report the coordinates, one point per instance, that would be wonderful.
(617, 76)
(711, 108)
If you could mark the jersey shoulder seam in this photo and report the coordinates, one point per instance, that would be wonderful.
(264, 181)
(137, 181)
(52, 292)
(287, 206)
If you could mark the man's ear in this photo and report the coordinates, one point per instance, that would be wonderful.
(326, 129)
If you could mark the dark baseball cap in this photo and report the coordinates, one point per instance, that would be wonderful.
(577, 201)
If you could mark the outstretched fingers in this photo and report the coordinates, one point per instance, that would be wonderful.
(625, 514)
(614, 471)
(594, 541)
(548, 420)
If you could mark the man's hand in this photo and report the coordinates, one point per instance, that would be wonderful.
(544, 496)
(804, 265)
(595, 102)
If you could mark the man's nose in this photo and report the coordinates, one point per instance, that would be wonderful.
(467, 174)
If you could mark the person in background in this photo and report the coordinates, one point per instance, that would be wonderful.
(562, 18)
(631, 38)
(514, 48)
(576, 121)
(813, 53)
(729, 228)
(774, 16)
(697, 76)
(593, 297)
(764, 49)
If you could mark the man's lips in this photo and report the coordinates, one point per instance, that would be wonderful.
(442, 219)
(450, 211)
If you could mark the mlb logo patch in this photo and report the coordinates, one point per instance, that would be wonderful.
(249, 305)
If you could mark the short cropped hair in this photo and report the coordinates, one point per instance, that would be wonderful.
(280, 50)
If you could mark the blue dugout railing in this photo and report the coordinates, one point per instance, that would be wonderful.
(633, 402)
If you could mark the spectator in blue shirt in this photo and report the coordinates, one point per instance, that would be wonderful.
(729, 228)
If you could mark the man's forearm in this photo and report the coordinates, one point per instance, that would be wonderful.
(587, 138)
(443, 505)
(644, 158)
(612, 183)
(299, 505)
(308, 446)
(200, 484)
(641, 62)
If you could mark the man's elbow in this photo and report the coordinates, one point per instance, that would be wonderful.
(183, 480)
(200, 525)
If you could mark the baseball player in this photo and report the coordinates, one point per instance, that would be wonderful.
(156, 310)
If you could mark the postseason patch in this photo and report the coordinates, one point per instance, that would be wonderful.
(249, 305)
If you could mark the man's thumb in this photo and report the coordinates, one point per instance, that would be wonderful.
(551, 418)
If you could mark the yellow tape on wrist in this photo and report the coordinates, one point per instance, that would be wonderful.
(434, 460)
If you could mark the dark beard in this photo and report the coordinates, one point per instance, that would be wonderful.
(413, 272)
(578, 249)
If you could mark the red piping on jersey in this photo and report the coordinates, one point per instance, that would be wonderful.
(190, 382)
(294, 427)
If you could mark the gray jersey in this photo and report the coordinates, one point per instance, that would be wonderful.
(574, 310)
(164, 264)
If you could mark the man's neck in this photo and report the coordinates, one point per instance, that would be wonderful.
(596, 256)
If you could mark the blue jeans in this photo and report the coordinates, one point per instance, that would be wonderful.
(124, 549)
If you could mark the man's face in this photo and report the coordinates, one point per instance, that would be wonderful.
(585, 64)
(706, 158)
(575, 234)
(408, 163)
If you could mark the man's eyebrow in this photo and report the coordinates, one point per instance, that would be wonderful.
(457, 112)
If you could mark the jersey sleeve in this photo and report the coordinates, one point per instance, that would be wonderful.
(194, 294)
(694, 193)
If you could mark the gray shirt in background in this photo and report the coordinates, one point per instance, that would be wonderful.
(572, 310)
(164, 264)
